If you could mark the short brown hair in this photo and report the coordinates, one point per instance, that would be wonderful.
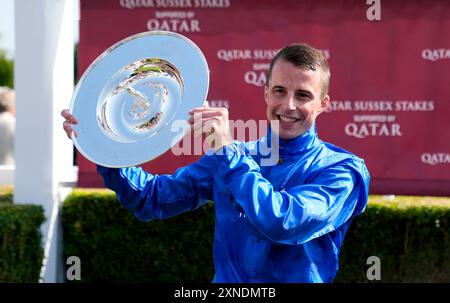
(307, 57)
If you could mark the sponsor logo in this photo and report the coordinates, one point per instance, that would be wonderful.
(230, 55)
(372, 129)
(377, 118)
(435, 158)
(255, 78)
(436, 54)
(174, 21)
(174, 25)
(382, 106)
(132, 4)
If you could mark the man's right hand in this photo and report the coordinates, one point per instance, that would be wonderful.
(67, 124)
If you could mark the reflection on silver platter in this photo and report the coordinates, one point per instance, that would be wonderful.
(132, 102)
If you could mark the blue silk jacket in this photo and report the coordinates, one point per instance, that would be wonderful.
(281, 223)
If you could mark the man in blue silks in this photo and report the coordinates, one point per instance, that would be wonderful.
(279, 223)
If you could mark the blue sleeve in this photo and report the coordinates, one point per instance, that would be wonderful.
(160, 196)
(298, 214)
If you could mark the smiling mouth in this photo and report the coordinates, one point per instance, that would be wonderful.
(287, 119)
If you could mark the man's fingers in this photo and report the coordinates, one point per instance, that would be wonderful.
(68, 116)
(206, 114)
(198, 128)
(65, 113)
(67, 125)
(69, 129)
(211, 139)
(206, 126)
(205, 109)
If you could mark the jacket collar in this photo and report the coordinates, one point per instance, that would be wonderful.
(300, 144)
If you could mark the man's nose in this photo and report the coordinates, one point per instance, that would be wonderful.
(290, 102)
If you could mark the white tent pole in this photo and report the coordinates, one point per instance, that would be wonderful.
(43, 76)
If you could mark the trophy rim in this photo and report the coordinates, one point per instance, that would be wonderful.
(103, 150)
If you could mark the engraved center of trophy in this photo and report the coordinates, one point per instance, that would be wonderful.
(139, 100)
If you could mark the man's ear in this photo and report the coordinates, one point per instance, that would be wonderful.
(324, 103)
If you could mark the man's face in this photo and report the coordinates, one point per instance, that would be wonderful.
(293, 97)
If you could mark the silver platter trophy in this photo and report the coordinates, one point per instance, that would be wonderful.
(132, 102)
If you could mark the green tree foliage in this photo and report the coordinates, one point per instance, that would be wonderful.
(6, 71)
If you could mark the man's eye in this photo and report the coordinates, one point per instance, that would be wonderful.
(279, 91)
(302, 96)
